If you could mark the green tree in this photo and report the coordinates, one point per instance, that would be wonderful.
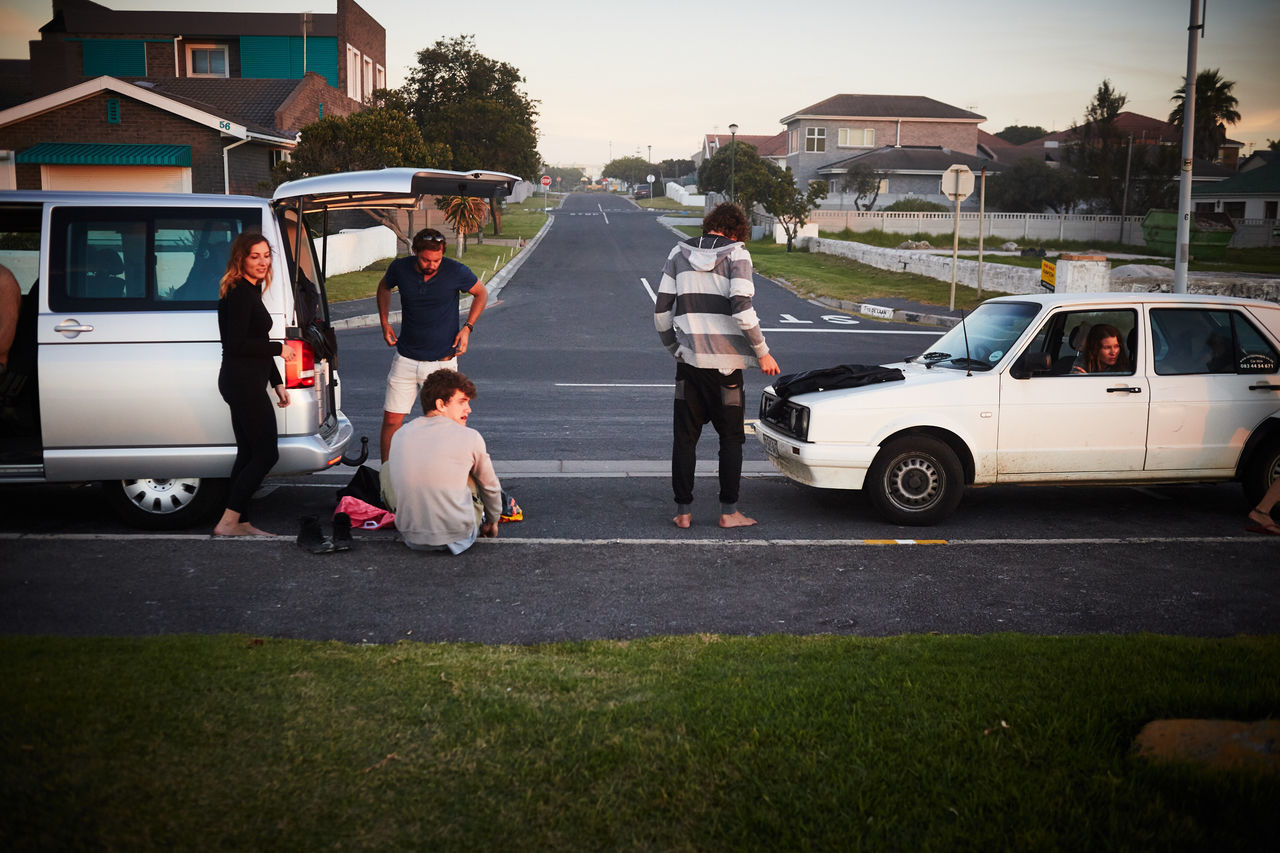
(465, 215)
(475, 105)
(864, 182)
(564, 179)
(1215, 107)
(1016, 134)
(918, 205)
(629, 170)
(737, 161)
(774, 189)
(377, 138)
(1097, 152)
(1273, 144)
(1030, 186)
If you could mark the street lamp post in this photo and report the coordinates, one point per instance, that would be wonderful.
(733, 158)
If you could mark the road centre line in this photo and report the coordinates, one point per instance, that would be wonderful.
(652, 295)
(615, 384)
(679, 541)
(602, 213)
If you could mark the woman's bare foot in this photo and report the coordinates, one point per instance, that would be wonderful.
(736, 519)
(683, 521)
(238, 528)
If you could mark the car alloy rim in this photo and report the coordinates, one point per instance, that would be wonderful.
(161, 496)
(914, 482)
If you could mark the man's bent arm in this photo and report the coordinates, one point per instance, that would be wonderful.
(383, 297)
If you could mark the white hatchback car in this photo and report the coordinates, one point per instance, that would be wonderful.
(1005, 397)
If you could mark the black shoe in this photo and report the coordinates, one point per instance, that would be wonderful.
(311, 537)
(342, 532)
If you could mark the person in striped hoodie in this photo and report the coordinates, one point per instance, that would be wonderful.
(705, 319)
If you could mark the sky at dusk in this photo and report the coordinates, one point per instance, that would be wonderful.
(659, 74)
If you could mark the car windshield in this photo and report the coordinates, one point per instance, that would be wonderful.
(983, 338)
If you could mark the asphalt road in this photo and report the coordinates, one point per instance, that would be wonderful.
(575, 404)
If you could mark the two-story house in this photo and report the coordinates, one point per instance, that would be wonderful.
(180, 101)
(909, 139)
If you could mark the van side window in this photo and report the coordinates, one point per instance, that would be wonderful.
(140, 259)
(1189, 341)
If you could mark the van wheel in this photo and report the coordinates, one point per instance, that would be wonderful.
(160, 504)
(1263, 470)
(915, 480)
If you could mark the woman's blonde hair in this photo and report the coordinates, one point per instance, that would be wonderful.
(240, 248)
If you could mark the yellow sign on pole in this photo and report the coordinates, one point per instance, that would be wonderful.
(1048, 273)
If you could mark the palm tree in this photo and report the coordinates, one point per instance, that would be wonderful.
(465, 215)
(1215, 107)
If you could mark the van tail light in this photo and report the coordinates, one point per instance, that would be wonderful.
(301, 372)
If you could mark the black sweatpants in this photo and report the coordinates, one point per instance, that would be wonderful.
(243, 384)
(705, 395)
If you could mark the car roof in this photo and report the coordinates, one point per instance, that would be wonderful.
(1055, 300)
(131, 199)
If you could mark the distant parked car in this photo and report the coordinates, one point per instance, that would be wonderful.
(642, 191)
(1008, 397)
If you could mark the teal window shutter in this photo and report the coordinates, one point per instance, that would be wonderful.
(280, 57)
(114, 57)
(113, 110)
(322, 58)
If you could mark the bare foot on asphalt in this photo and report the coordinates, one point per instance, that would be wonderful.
(737, 519)
(241, 528)
(683, 521)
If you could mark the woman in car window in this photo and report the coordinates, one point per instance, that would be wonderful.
(1103, 352)
(248, 366)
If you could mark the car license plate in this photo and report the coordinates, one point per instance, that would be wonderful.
(770, 445)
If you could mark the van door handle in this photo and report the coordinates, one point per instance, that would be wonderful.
(71, 328)
(1128, 389)
(1263, 386)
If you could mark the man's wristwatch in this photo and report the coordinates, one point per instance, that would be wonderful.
(469, 326)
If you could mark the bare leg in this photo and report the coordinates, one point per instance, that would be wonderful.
(391, 422)
(1260, 515)
(683, 521)
(736, 519)
(231, 525)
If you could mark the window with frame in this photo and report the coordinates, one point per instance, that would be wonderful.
(1190, 341)
(856, 137)
(793, 141)
(355, 73)
(367, 87)
(206, 60)
(141, 259)
(1066, 338)
(815, 140)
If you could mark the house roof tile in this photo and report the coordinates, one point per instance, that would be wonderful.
(883, 107)
(83, 17)
(1264, 180)
(249, 101)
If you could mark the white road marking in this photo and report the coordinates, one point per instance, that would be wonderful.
(615, 385)
(602, 213)
(857, 331)
(652, 295)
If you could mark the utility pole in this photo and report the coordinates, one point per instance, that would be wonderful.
(1183, 252)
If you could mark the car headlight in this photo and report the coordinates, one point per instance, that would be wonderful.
(785, 416)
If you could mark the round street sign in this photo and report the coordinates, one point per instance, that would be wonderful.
(546, 180)
(650, 179)
(957, 182)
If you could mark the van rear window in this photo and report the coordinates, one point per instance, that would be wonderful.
(141, 259)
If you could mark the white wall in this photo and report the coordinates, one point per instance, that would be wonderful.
(355, 249)
(681, 195)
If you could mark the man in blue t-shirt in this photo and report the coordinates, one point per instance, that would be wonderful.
(430, 337)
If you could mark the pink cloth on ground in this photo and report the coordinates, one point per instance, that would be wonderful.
(366, 516)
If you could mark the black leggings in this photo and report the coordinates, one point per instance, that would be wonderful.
(253, 419)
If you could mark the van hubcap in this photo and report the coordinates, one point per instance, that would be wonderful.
(161, 496)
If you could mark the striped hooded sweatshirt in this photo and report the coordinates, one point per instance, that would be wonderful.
(703, 313)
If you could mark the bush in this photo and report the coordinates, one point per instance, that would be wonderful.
(917, 205)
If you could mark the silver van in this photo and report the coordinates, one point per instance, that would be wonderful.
(113, 375)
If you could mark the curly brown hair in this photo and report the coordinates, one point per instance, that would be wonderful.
(240, 248)
(441, 384)
(728, 219)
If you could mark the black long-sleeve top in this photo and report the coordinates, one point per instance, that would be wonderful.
(244, 325)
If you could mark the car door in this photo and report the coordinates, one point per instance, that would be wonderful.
(1215, 377)
(1065, 424)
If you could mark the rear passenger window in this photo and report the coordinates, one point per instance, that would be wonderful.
(1188, 341)
(141, 259)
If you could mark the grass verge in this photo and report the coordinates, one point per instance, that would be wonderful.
(998, 742)
(484, 260)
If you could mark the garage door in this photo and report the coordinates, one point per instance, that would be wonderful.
(168, 179)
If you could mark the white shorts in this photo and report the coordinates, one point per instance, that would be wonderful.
(404, 381)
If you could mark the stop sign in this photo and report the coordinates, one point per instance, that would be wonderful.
(546, 180)
(957, 182)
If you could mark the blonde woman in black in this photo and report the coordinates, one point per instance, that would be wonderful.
(248, 366)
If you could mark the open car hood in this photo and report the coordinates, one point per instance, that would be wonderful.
(399, 188)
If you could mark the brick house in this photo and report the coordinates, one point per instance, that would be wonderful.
(179, 101)
(910, 139)
(768, 147)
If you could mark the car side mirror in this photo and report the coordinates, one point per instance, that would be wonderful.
(1031, 363)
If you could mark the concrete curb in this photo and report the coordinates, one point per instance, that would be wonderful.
(493, 285)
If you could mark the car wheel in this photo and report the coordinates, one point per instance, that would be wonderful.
(166, 504)
(915, 480)
(1263, 470)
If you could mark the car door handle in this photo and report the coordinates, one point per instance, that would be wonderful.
(71, 328)
(1128, 389)
(1264, 386)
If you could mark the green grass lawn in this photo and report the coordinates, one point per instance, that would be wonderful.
(363, 283)
(664, 203)
(999, 742)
